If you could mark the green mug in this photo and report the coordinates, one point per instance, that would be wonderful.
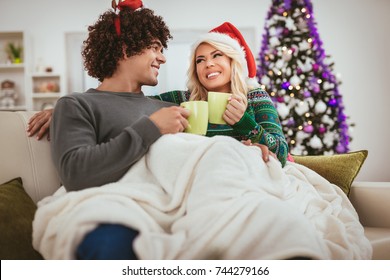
(198, 119)
(217, 106)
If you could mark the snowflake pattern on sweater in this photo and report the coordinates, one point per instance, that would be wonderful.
(260, 123)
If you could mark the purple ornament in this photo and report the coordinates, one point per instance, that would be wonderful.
(308, 129)
(299, 71)
(342, 117)
(332, 102)
(315, 67)
(306, 94)
(287, 4)
(278, 31)
(291, 122)
(285, 85)
(325, 75)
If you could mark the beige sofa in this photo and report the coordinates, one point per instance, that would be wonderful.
(30, 160)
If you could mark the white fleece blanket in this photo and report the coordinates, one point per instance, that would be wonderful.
(194, 197)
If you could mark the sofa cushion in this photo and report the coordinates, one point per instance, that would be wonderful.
(380, 241)
(340, 169)
(16, 215)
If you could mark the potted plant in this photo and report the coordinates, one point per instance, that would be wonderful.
(15, 52)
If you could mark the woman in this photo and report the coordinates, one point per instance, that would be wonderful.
(222, 61)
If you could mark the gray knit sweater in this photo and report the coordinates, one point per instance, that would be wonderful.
(96, 136)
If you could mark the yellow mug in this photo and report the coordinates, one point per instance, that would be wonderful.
(198, 119)
(217, 106)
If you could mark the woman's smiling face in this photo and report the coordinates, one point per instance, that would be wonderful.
(213, 68)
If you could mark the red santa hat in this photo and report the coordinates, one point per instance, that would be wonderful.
(228, 34)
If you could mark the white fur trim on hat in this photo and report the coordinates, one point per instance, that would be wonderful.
(220, 38)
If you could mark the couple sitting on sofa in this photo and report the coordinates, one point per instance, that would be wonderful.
(189, 196)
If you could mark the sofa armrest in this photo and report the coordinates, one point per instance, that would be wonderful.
(25, 157)
(372, 203)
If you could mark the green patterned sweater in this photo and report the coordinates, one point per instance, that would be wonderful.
(260, 123)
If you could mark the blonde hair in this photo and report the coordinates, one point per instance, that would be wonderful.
(238, 77)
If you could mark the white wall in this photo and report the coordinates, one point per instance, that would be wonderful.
(354, 32)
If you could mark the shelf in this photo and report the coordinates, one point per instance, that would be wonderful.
(45, 75)
(15, 108)
(46, 95)
(44, 103)
(12, 66)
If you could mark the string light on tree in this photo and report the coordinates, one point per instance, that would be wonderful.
(297, 73)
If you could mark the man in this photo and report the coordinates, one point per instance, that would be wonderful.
(97, 135)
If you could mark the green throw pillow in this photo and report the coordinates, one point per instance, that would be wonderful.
(340, 169)
(16, 215)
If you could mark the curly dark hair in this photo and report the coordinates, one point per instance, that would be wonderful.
(103, 48)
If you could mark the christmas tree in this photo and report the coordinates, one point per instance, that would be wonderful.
(296, 72)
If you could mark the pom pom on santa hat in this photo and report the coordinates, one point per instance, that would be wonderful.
(228, 34)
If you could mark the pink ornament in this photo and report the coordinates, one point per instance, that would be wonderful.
(315, 88)
(308, 129)
(340, 149)
(322, 129)
(280, 11)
